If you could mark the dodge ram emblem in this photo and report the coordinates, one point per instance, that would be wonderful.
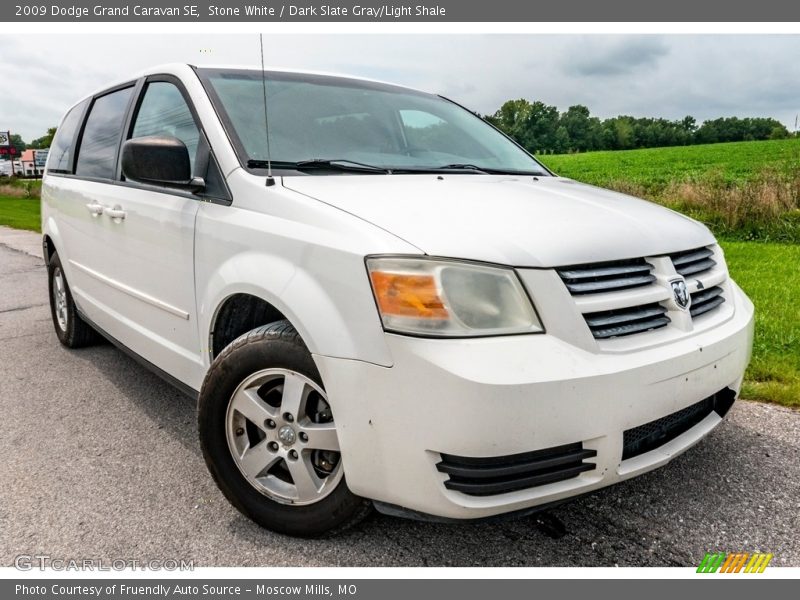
(680, 293)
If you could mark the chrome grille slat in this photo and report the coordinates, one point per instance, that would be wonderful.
(692, 262)
(609, 284)
(608, 276)
(616, 323)
(636, 312)
(691, 256)
(697, 267)
(704, 301)
(576, 273)
(621, 330)
(703, 295)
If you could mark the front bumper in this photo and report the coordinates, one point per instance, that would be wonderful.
(504, 396)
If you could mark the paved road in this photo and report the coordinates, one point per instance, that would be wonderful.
(100, 459)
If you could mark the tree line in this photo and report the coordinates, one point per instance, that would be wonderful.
(542, 129)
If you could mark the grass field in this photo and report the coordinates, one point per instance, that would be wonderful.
(770, 275)
(742, 190)
(19, 213)
(655, 169)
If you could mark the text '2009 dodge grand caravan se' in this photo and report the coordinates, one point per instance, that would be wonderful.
(383, 300)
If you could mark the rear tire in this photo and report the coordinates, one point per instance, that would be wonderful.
(72, 331)
(276, 460)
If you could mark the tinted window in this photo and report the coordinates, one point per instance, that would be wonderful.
(60, 159)
(98, 150)
(164, 112)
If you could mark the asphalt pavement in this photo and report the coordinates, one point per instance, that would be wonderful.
(100, 459)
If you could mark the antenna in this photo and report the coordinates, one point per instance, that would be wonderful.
(270, 179)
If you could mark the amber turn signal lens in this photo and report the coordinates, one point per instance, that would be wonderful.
(404, 295)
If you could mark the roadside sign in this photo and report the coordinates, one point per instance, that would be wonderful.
(5, 139)
(40, 158)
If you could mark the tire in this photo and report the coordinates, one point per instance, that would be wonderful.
(72, 331)
(248, 439)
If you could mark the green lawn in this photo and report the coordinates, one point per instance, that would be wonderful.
(770, 275)
(19, 213)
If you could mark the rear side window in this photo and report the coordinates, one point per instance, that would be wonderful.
(98, 151)
(61, 150)
(164, 112)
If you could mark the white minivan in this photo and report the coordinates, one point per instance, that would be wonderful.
(379, 299)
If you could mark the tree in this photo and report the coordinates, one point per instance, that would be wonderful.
(45, 141)
(18, 143)
(561, 141)
(779, 132)
(584, 131)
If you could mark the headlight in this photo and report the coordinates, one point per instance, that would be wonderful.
(444, 298)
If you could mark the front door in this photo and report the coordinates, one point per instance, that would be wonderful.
(143, 272)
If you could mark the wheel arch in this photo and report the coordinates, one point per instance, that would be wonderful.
(51, 240)
(239, 313)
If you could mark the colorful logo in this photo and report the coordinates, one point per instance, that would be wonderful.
(743, 562)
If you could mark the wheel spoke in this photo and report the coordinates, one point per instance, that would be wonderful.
(251, 406)
(304, 478)
(294, 395)
(255, 460)
(321, 436)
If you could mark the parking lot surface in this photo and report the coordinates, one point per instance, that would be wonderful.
(100, 459)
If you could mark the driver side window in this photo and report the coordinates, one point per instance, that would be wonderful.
(164, 112)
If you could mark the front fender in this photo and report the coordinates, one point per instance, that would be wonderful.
(331, 308)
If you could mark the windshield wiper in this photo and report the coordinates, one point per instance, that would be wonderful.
(487, 170)
(464, 167)
(334, 164)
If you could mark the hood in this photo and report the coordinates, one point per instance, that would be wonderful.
(509, 220)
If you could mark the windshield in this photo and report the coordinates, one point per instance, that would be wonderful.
(324, 118)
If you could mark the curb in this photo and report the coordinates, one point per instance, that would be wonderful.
(28, 242)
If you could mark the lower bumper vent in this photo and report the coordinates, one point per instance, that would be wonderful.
(656, 433)
(503, 474)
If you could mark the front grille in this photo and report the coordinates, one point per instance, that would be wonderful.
(626, 297)
(693, 262)
(704, 301)
(625, 321)
(607, 276)
(656, 433)
(503, 474)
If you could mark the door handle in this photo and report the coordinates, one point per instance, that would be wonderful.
(116, 213)
(95, 209)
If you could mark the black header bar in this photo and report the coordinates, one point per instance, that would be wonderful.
(205, 11)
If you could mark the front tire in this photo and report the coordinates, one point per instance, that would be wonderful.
(72, 331)
(269, 437)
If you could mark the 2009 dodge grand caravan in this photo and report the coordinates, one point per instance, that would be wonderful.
(381, 299)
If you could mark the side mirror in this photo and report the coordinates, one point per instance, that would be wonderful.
(158, 159)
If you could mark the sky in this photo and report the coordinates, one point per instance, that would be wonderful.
(670, 76)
